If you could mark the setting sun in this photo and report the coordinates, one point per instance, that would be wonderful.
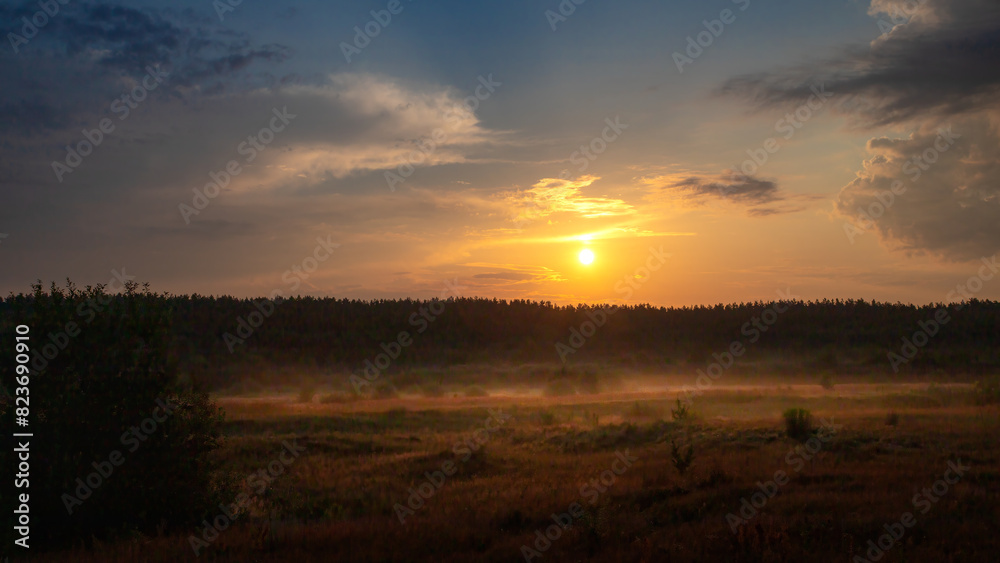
(586, 256)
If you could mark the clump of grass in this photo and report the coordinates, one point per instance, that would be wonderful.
(559, 387)
(798, 424)
(681, 458)
(892, 419)
(476, 391)
(681, 412)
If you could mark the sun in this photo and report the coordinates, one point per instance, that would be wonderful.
(586, 256)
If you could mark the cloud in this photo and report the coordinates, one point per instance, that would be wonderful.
(90, 54)
(753, 193)
(947, 202)
(351, 123)
(508, 274)
(744, 189)
(943, 61)
(937, 65)
(365, 122)
(549, 196)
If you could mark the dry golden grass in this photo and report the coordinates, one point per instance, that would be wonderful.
(336, 502)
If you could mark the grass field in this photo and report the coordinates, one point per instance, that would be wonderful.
(486, 478)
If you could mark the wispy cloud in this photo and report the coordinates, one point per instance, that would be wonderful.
(553, 195)
(759, 197)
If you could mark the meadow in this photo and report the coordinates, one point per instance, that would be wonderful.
(468, 473)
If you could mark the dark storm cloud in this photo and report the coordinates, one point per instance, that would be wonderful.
(947, 196)
(936, 70)
(85, 53)
(944, 61)
(743, 189)
(132, 38)
(759, 197)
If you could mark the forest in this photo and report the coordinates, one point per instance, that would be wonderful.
(220, 341)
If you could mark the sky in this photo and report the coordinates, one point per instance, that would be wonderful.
(702, 152)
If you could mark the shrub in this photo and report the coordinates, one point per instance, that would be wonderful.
(681, 459)
(681, 412)
(798, 424)
(113, 373)
(892, 419)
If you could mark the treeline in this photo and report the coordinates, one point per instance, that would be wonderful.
(219, 340)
